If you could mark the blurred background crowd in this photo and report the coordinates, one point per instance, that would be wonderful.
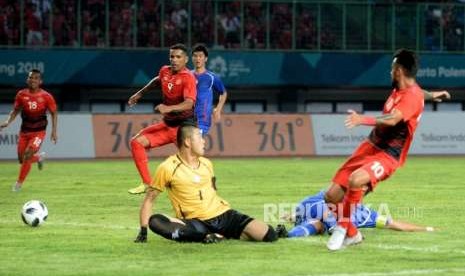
(271, 24)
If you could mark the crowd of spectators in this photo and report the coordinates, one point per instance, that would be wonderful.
(450, 19)
(203, 22)
(9, 22)
(255, 25)
(149, 24)
(231, 24)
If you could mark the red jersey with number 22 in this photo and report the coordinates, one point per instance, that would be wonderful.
(34, 108)
(396, 140)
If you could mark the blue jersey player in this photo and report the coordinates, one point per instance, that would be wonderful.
(207, 84)
(313, 216)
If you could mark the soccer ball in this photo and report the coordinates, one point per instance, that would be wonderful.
(34, 213)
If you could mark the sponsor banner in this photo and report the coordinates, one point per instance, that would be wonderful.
(261, 135)
(441, 70)
(112, 134)
(9, 138)
(333, 138)
(87, 136)
(75, 138)
(442, 133)
(235, 135)
(438, 133)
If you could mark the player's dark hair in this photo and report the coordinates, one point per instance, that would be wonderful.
(184, 131)
(36, 71)
(179, 46)
(408, 60)
(200, 48)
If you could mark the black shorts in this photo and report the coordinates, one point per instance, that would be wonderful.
(230, 224)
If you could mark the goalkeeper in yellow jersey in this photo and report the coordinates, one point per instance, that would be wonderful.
(201, 214)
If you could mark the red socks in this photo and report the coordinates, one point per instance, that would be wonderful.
(26, 167)
(34, 158)
(24, 170)
(352, 198)
(140, 159)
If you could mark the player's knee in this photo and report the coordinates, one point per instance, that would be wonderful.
(357, 180)
(270, 235)
(27, 155)
(331, 197)
(157, 223)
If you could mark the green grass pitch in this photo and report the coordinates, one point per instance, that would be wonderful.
(93, 221)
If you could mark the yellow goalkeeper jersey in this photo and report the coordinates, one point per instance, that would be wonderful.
(192, 192)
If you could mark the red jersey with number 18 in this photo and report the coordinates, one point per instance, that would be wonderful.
(34, 108)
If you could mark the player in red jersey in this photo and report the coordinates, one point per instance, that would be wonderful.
(385, 149)
(179, 92)
(33, 103)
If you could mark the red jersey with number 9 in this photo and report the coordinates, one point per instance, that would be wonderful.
(176, 88)
(34, 108)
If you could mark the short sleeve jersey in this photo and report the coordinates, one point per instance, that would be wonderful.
(396, 140)
(176, 88)
(34, 108)
(192, 192)
(207, 84)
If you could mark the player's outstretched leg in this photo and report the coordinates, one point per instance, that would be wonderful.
(304, 230)
(138, 147)
(182, 231)
(259, 231)
(26, 162)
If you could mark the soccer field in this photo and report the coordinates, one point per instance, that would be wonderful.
(93, 221)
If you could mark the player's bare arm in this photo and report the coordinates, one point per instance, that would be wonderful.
(11, 118)
(219, 107)
(53, 135)
(147, 204)
(436, 96)
(144, 215)
(150, 85)
(185, 105)
(354, 119)
(407, 227)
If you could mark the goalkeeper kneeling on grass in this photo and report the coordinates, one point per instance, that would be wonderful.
(201, 215)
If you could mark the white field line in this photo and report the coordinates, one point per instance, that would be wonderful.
(76, 224)
(402, 272)
(388, 247)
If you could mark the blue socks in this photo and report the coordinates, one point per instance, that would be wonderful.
(302, 230)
